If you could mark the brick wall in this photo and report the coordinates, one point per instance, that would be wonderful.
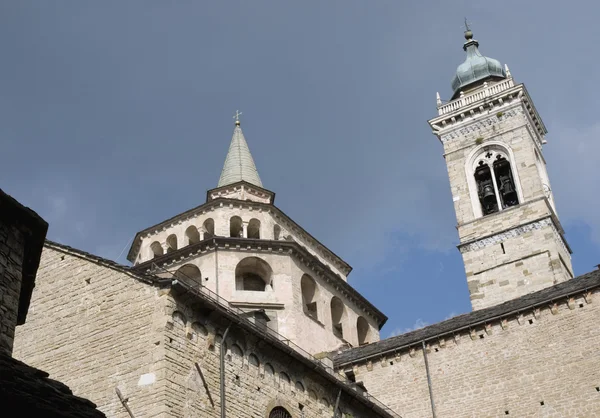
(12, 245)
(548, 356)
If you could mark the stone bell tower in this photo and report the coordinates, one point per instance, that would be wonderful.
(511, 240)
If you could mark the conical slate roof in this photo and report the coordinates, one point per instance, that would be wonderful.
(239, 164)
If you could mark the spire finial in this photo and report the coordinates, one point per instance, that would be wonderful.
(237, 117)
(468, 32)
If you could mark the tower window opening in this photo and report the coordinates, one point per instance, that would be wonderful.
(156, 249)
(505, 182)
(209, 228)
(192, 235)
(486, 189)
(235, 227)
(254, 229)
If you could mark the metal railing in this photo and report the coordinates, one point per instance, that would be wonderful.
(197, 288)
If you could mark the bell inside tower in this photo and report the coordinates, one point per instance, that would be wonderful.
(505, 182)
(485, 186)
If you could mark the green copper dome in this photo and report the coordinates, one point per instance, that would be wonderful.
(476, 67)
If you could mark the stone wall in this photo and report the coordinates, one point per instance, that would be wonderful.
(258, 376)
(95, 329)
(541, 363)
(12, 246)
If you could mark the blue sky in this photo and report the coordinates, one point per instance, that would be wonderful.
(116, 115)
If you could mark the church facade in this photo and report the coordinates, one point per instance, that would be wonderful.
(233, 309)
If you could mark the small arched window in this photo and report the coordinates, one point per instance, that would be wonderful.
(209, 228)
(192, 235)
(171, 243)
(254, 229)
(363, 330)
(156, 249)
(337, 315)
(496, 187)
(236, 229)
(309, 292)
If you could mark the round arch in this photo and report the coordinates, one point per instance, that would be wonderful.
(470, 163)
(253, 274)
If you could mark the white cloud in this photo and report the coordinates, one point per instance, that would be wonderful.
(572, 158)
(419, 323)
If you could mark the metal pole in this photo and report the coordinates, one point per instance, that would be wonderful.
(222, 370)
(124, 402)
(428, 379)
(337, 404)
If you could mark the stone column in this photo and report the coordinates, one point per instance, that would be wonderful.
(245, 229)
(165, 247)
(201, 233)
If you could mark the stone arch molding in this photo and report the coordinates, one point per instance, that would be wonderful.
(278, 403)
(471, 162)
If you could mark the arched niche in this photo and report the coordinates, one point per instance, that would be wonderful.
(338, 313)
(309, 296)
(253, 274)
(276, 232)
(363, 330)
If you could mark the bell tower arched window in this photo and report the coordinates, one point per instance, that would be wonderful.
(495, 183)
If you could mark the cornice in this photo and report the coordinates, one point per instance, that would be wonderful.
(292, 248)
(254, 190)
(471, 112)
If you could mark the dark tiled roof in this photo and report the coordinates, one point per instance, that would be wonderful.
(34, 228)
(555, 293)
(28, 392)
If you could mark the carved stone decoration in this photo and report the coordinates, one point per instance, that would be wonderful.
(503, 236)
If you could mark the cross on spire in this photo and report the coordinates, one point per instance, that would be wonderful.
(237, 117)
(467, 28)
